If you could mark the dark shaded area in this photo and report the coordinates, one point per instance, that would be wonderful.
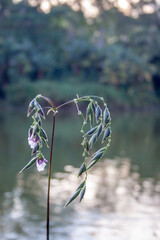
(117, 54)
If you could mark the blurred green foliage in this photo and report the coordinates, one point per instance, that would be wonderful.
(62, 53)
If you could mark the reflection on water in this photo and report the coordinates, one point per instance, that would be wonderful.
(123, 193)
(117, 205)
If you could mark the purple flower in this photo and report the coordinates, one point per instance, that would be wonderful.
(41, 163)
(32, 141)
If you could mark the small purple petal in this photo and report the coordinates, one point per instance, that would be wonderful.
(45, 160)
(41, 166)
(40, 161)
(32, 142)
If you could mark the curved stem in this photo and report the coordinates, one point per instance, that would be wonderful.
(65, 104)
(84, 98)
(49, 178)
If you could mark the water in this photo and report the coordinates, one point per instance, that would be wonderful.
(122, 201)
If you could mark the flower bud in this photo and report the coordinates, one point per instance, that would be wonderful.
(91, 131)
(98, 112)
(82, 193)
(30, 131)
(43, 134)
(92, 140)
(99, 130)
(106, 134)
(73, 197)
(85, 144)
(106, 116)
(35, 149)
(88, 111)
(97, 156)
(39, 110)
(31, 107)
(82, 169)
(81, 185)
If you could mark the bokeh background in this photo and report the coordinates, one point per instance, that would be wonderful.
(61, 48)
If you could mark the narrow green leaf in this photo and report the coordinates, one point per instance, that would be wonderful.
(29, 164)
(73, 197)
(82, 193)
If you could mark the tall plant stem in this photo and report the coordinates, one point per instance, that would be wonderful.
(49, 178)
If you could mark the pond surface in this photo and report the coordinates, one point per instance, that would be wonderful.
(122, 201)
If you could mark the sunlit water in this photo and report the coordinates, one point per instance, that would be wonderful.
(122, 201)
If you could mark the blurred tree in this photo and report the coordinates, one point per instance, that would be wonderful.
(112, 48)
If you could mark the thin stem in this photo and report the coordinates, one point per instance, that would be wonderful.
(84, 98)
(64, 104)
(49, 178)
